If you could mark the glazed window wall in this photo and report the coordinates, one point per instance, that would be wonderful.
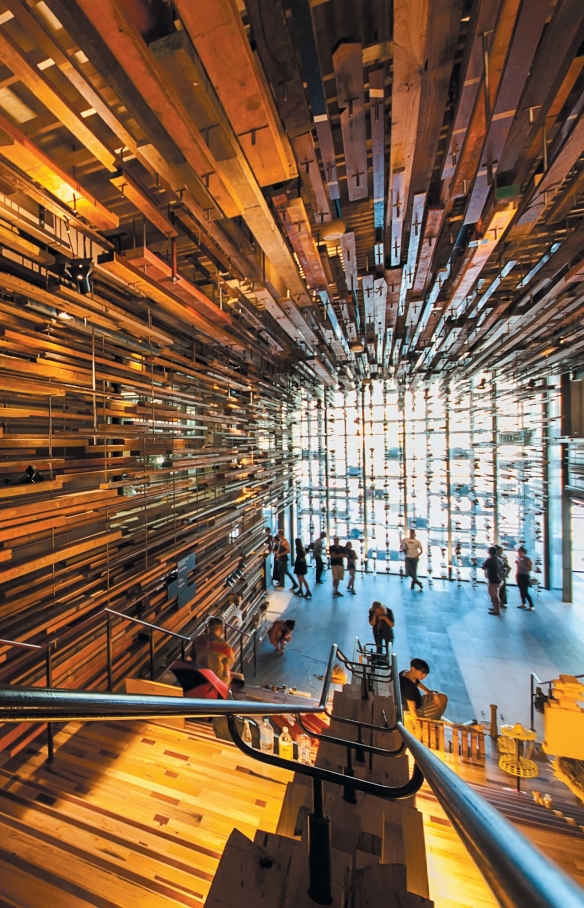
(461, 463)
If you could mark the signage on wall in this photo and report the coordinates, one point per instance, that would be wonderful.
(181, 588)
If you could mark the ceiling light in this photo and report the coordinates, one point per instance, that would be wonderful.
(80, 270)
(332, 230)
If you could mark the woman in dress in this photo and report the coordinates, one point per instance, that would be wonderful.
(301, 570)
(351, 567)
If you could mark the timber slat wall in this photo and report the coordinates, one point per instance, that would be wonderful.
(143, 452)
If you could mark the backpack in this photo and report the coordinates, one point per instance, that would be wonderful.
(501, 571)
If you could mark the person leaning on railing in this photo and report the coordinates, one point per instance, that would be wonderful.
(430, 705)
(210, 650)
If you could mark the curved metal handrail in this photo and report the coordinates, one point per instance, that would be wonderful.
(410, 788)
(518, 874)
(354, 745)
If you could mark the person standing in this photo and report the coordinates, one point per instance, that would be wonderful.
(301, 570)
(317, 551)
(495, 574)
(507, 569)
(382, 621)
(413, 549)
(351, 567)
(275, 549)
(337, 553)
(523, 567)
(283, 553)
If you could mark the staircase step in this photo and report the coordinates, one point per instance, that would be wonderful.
(384, 884)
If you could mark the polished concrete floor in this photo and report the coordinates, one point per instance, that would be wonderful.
(475, 658)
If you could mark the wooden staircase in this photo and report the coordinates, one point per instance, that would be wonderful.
(129, 815)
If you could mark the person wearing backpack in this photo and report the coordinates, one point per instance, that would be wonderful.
(523, 567)
(495, 573)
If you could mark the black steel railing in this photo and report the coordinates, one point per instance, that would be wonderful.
(518, 874)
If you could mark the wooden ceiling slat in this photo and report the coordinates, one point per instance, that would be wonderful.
(217, 32)
(409, 42)
(348, 66)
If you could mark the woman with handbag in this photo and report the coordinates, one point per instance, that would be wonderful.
(523, 566)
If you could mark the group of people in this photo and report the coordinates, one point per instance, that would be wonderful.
(497, 569)
(279, 546)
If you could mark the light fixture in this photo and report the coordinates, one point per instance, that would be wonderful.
(64, 316)
(80, 271)
(331, 231)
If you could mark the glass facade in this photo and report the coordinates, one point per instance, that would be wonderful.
(463, 463)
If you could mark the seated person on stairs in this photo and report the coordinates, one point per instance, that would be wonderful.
(210, 650)
(429, 706)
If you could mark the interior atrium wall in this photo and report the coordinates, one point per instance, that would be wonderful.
(135, 470)
(463, 462)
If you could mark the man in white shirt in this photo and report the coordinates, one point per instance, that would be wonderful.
(413, 549)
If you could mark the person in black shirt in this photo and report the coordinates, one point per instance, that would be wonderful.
(382, 621)
(430, 705)
(301, 570)
(351, 567)
(495, 573)
(337, 554)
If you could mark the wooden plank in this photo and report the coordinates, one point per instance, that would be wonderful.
(349, 251)
(530, 24)
(306, 156)
(419, 203)
(54, 101)
(294, 218)
(348, 67)
(161, 271)
(409, 41)
(131, 189)
(377, 120)
(36, 564)
(216, 29)
(434, 219)
(17, 148)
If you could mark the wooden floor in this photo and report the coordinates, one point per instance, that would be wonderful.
(129, 815)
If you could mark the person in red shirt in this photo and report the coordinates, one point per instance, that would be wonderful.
(210, 650)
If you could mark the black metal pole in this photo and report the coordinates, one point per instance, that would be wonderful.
(531, 712)
(110, 667)
(349, 793)
(49, 672)
(241, 653)
(359, 752)
(319, 845)
(151, 655)
(182, 650)
(255, 653)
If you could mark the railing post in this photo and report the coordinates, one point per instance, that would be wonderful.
(183, 650)
(531, 709)
(49, 672)
(151, 654)
(241, 652)
(110, 666)
(359, 752)
(255, 652)
(349, 793)
(319, 844)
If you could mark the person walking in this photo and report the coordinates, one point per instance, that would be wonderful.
(275, 549)
(337, 553)
(317, 551)
(301, 570)
(507, 570)
(523, 567)
(495, 574)
(283, 552)
(351, 567)
(413, 549)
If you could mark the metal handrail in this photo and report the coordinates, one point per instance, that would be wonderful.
(518, 874)
(31, 704)
(21, 645)
(154, 627)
